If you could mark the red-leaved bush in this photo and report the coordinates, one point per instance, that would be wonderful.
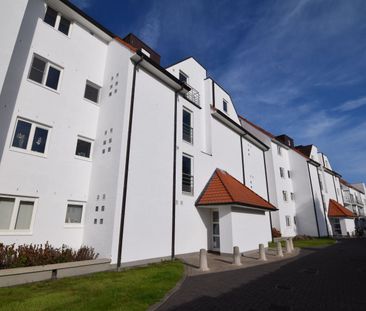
(276, 233)
(12, 256)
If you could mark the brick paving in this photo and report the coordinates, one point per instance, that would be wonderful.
(332, 278)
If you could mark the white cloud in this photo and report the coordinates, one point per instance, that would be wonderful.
(352, 104)
(150, 32)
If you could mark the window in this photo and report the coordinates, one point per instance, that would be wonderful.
(288, 221)
(30, 137)
(91, 92)
(187, 174)
(282, 172)
(288, 174)
(295, 220)
(183, 77)
(55, 20)
(74, 213)
(279, 150)
(284, 194)
(83, 148)
(16, 214)
(224, 105)
(187, 126)
(292, 196)
(45, 73)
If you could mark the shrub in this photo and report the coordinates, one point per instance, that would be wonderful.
(303, 238)
(12, 256)
(276, 233)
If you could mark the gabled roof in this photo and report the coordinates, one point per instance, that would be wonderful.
(346, 183)
(224, 189)
(305, 150)
(338, 210)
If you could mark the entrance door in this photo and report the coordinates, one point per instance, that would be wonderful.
(336, 226)
(215, 231)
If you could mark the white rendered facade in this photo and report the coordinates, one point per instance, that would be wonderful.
(124, 177)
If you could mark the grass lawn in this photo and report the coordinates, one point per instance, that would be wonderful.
(308, 243)
(131, 290)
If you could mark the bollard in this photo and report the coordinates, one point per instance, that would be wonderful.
(288, 247)
(292, 244)
(262, 252)
(203, 260)
(236, 256)
(279, 249)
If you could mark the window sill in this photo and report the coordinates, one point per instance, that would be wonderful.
(73, 226)
(83, 158)
(91, 102)
(44, 86)
(36, 154)
(15, 232)
(191, 194)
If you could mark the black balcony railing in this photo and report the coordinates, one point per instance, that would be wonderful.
(187, 183)
(187, 133)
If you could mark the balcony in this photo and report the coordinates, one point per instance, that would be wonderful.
(193, 95)
(187, 183)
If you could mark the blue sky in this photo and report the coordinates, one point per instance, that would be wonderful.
(295, 67)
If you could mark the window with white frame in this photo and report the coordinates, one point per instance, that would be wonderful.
(292, 196)
(57, 21)
(92, 92)
(30, 136)
(187, 174)
(284, 194)
(16, 214)
(224, 105)
(83, 148)
(282, 172)
(45, 73)
(187, 129)
(288, 221)
(74, 213)
(279, 150)
(183, 77)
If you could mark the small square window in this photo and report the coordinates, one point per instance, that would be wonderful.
(282, 172)
(96, 208)
(288, 174)
(74, 214)
(95, 221)
(288, 221)
(292, 196)
(109, 149)
(104, 196)
(50, 17)
(279, 150)
(91, 92)
(101, 221)
(224, 105)
(64, 26)
(110, 140)
(103, 208)
(284, 194)
(83, 148)
(183, 77)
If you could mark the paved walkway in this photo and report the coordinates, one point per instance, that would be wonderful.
(219, 263)
(333, 278)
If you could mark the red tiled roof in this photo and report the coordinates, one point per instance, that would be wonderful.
(223, 189)
(338, 210)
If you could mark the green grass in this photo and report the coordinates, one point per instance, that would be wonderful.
(308, 243)
(131, 290)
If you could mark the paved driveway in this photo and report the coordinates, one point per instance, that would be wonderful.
(333, 278)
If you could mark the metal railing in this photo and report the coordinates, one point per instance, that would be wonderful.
(187, 183)
(187, 133)
(193, 95)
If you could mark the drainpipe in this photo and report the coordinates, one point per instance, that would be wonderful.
(312, 192)
(265, 174)
(127, 163)
(242, 158)
(174, 172)
(323, 203)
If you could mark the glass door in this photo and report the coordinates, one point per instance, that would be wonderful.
(215, 231)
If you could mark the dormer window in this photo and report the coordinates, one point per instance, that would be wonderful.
(224, 105)
(183, 77)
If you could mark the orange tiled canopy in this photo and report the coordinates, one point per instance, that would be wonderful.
(223, 189)
(337, 210)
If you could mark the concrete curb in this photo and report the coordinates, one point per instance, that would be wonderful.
(171, 292)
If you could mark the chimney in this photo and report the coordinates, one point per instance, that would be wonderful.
(140, 45)
(288, 141)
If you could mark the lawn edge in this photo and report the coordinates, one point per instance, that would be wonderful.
(171, 292)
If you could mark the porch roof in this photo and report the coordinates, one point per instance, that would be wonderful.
(338, 210)
(224, 189)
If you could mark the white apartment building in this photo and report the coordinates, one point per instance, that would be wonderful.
(316, 207)
(101, 146)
